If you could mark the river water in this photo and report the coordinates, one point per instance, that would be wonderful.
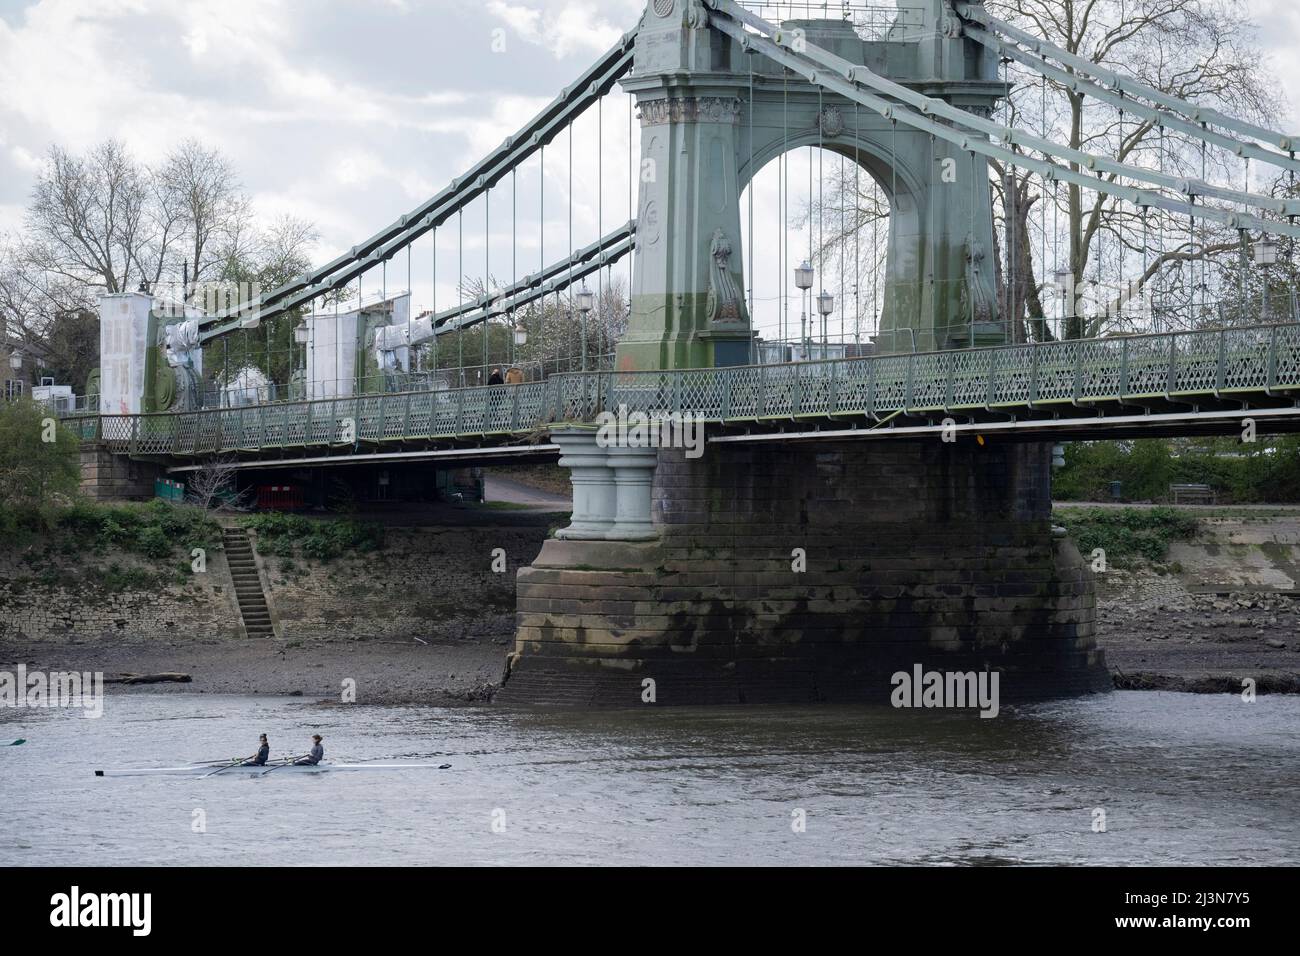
(1183, 779)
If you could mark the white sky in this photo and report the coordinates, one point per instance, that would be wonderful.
(351, 112)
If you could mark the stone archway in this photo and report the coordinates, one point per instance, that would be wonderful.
(906, 253)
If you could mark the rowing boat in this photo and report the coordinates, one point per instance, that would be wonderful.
(202, 770)
(13, 743)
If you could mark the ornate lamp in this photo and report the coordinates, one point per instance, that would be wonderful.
(1264, 251)
(825, 304)
(803, 276)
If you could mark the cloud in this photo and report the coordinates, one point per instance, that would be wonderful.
(562, 28)
(1279, 24)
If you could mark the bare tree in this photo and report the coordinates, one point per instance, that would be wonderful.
(34, 307)
(110, 223)
(215, 215)
(212, 487)
(1198, 50)
(97, 220)
(554, 328)
(105, 223)
(1112, 253)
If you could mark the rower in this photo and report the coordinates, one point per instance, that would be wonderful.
(317, 752)
(263, 753)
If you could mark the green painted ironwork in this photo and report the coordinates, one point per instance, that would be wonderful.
(1243, 364)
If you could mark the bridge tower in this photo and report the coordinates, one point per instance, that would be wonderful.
(714, 112)
(806, 570)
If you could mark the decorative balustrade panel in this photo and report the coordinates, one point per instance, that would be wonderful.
(1285, 354)
(1055, 371)
(1148, 366)
(1100, 366)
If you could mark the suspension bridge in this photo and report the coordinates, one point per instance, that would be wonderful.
(924, 550)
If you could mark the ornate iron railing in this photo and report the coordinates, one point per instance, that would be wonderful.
(1240, 363)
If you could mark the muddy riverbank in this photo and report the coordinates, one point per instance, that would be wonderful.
(1157, 636)
(382, 672)
(426, 621)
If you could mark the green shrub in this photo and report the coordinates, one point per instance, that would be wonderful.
(151, 541)
(286, 535)
(154, 530)
(114, 578)
(1129, 536)
(35, 469)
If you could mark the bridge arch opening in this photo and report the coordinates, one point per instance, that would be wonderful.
(849, 214)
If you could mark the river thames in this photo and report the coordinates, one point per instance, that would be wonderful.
(1175, 778)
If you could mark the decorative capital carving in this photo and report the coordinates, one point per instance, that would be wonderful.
(690, 109)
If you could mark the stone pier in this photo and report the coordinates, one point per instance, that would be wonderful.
(801, 573)
(109, 477)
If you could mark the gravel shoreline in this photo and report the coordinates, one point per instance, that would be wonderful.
(1159, 636)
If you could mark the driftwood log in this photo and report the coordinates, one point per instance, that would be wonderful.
(150, 679)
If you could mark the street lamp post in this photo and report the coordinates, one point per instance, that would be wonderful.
(825, 306)
(1265, 254)
(585, 301)
(1063, 279)
(15, 363)
(803, 278)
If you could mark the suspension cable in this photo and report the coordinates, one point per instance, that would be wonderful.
(460, 291)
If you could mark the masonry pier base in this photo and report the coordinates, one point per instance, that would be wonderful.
(798, 573)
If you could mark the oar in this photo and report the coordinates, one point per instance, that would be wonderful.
(290, 763)
(233, 762)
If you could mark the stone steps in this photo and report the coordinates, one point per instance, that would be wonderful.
(253, 606)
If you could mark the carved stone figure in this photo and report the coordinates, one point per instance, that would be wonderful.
(971, 288)
(724, 303)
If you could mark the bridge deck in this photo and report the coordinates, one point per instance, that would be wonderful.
(1202, 372)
